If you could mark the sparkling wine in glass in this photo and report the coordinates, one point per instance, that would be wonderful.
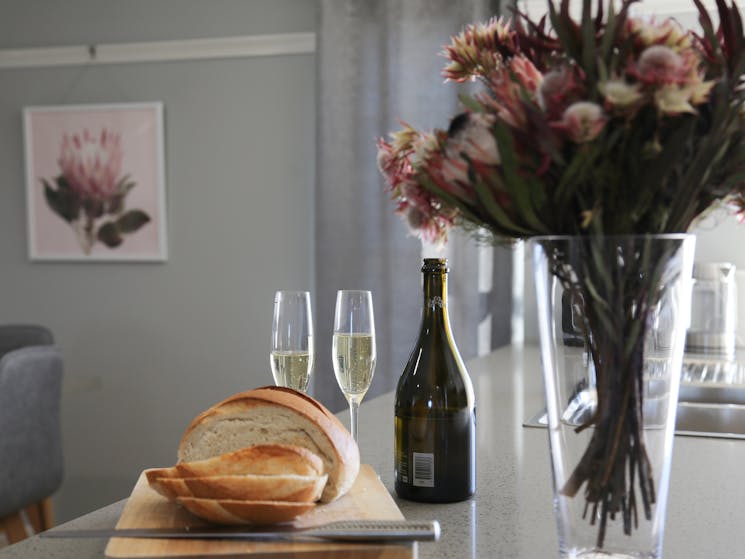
(353, 348)
(291, 356)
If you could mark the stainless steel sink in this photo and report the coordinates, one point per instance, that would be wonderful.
(711, 402)
(710, 420)
(725, 421)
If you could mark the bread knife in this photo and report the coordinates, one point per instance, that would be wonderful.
(345, 530)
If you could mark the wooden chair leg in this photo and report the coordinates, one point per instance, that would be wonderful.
(33, 512)
(13, 527)
(47, 514)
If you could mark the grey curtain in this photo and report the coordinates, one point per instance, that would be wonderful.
(379, 62)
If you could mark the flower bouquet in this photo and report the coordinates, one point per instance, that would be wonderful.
(606, 127)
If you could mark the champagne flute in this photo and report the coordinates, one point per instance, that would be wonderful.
(353, 348)
(291, 355)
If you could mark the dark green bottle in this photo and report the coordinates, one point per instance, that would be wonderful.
(435, 422)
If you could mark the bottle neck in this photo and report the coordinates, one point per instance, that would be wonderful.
(435, 297)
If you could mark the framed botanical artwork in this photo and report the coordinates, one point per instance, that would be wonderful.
(95, 182)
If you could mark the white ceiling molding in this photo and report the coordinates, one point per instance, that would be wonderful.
(160, 51)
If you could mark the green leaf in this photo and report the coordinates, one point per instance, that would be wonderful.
(64, 203)
(450, 200)
(93, 208)
(62, 183)
(125, 185)
(588, 43)
(109, 235)
(471, 104)
(115, 204)
(709, 32)
(503, 226)
(519, 188)
(562, 24)
(655, 171)
(495, 210)
(132, 221)
(610, 33)
(575, 173)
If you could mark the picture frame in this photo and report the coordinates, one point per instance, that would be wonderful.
(95, 182)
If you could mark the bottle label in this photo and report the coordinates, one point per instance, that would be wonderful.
(424, 469)
(402, 466)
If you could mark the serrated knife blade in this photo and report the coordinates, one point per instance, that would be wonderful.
(348, 531)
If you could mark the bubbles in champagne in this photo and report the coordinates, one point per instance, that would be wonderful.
(354, 363)
(292, 368)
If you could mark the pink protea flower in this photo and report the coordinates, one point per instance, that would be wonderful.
(504, 98)
(454, 170)
(92, 164)
(583, 121)
(423, 213)
(408, 147)
(673, 99)
(470, 136)
(648, 32)
(659, 64)
(558, 90)
(674, 79)
(619, 94)
(479, 50)
(402, 161)
(392, 164)
(526, 73)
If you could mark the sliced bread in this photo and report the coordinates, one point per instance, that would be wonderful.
(262, 459)
(246, 487)
(228, 511)
(280, 416)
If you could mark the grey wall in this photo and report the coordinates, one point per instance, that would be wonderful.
(147, 346)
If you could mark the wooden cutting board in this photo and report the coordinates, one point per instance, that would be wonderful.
(368, 499)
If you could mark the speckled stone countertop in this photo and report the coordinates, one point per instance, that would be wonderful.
(511, 515)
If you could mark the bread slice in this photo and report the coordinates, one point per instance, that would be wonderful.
(246, 487)
(266, 459)
(275, 415)
(228, 511)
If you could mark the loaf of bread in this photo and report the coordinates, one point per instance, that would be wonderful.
(279, 416)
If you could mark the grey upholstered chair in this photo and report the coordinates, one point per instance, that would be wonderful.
(30, 440)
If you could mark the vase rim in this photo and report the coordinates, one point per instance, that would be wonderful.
(664, 236)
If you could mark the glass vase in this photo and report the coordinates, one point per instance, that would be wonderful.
(612, 317)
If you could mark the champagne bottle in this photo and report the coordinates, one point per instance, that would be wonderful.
(435, 425)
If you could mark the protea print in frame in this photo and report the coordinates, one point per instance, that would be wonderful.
(95, 182)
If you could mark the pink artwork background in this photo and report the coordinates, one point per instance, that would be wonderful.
(138, 127)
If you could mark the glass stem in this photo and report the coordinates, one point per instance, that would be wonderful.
(354, 408)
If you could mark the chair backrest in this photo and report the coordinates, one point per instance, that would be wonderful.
(30, 437)
(14, 336)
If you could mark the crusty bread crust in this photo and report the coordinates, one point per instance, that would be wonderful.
(227, 511)
(246, 487)
(262, 459)
(257, 416)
